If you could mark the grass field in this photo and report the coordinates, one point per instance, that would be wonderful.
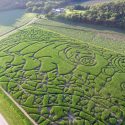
(112, 39)
(11, 113)
(25, 18)
(4, 29)
(74, 11)
(62, 81)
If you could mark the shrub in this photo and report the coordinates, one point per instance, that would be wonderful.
(112, 121)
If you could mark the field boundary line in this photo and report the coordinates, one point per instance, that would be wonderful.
(18, 27)
(61, 27)
(80, 29)
(38, 24)
(20, 108)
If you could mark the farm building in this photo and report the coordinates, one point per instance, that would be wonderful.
(58, 10)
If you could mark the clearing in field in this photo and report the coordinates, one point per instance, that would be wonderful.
(61, 81)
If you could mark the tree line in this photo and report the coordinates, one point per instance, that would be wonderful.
(45, 6)
(111, 14)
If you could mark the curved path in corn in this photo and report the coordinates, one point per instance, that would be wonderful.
(61, 81)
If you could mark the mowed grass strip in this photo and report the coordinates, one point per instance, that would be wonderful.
(10, 112)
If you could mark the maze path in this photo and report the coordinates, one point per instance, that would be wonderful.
(60, 81)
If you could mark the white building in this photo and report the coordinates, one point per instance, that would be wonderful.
(58, 10)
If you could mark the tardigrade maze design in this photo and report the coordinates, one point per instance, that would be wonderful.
(60, 81)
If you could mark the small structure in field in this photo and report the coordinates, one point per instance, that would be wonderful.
(58, 10)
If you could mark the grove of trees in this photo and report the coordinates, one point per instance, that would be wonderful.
(112, 14)
(45, 6)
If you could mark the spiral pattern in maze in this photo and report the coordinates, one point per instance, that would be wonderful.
(119, 63)
(123, 85)
(80, 55)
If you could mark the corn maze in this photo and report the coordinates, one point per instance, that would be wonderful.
(60, 81)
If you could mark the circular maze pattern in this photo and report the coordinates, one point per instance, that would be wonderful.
(59, 81)
(80, 54)
(123, 86)
(119, 63)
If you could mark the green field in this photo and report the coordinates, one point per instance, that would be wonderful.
(12, 114)
(109, 38)
(24, 19)
(62, 81)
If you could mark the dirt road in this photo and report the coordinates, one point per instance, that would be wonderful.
(2, 120)
(17, 28)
